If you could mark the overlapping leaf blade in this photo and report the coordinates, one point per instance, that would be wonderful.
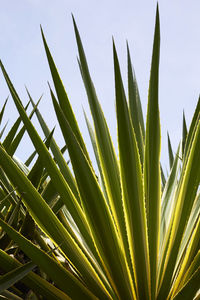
(168, 198)
(190, 288)
(107, 155)
(35, 282)
(56, 152)
(97, 212)
(132, 187)
(185, 197)
(190, 261)
(62, 186)
(15, 275)
(116, 236)
(61, 276)
(11, 134)
(41, 212)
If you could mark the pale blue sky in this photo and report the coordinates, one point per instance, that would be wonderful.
(22, 53)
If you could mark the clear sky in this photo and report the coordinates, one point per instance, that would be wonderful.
(22, 53)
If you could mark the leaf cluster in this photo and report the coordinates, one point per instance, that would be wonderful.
(125, 231)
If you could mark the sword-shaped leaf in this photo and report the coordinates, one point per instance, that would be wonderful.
(190, 289)
(94, 145)
(2, 110)
(186, 193)
(10, 278)
(101, 223)
(58, 180)
(132, 188)
(60, 275)
(107, 155)
(171, 156)
(32, 280)
(184, 133)
(35, 175)
(135, 108)
(3, 130)
(191, 251)
(168, 197)
(16, 141)
(152, 177)
(191, 132)
(63, 98)
(46, 219)
(56, 152)
(11, 134)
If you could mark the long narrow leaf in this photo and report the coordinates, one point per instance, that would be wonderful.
(9, 296)
(97, 212)
(11, 134)
(190, 135)
(15, 275)
(132, 187)
(107, 155)
(3, 109)
(32, 280)
(63, 98)
(152, 177)
(190, 289)
(184, 133)
(186, 193)
(171, 156)
(168, 197)
(41, 212)
(56, 152)
(57, 178)
(135, 108)
(74, 288)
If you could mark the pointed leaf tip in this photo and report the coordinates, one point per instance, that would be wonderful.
(114, 51)
(127, 47)
(158, 18)
(49, 85)
(157, 8)
(74, 23)
(43, 37)
(73, 17)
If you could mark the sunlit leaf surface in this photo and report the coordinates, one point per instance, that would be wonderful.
(120, 228)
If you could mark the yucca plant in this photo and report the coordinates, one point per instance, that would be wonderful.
(126, 231)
